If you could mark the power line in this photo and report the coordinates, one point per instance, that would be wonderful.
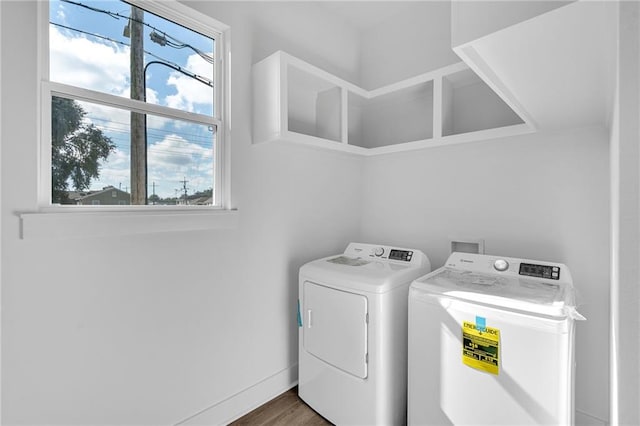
(111, 40)
(201, 79)
(118, 127)
(166, 62)
(117, 15)
(189, 152)
(88, 33)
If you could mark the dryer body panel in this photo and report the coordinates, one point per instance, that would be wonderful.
(335, 327)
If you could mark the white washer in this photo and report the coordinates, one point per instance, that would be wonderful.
(491, 343)
(353, 333)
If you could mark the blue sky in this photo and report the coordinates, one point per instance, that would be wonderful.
(92, 53)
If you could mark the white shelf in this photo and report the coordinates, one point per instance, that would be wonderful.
(297, 102)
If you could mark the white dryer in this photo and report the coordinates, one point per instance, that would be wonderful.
(353, 333)
(491, 342)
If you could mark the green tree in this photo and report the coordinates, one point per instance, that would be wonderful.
(76, 149)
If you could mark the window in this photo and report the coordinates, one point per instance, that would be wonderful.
(133, 97)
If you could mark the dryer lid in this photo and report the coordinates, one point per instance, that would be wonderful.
(349, 261)
(373, 276)
(369, 268)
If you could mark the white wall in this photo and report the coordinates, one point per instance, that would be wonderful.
(95, 333)
(0, 207)
(477, 107)
(625, 223)
(540, 196)
(151, 329)
(408, 43)
(302, 29)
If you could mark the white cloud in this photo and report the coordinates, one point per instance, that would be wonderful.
(151, 96)
(192, 93)
(108, 119)
(60, 15)
(104, 67)
(114, 171)
(85, 63)
(174, 159)
(169, 162)
(175, 152)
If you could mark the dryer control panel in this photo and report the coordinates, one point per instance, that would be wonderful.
(410, 257)
(404, 255)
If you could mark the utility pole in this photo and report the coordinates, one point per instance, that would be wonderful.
(138, 121)
(153, 185)
(184, 188)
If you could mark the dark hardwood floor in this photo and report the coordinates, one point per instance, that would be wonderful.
(286, 409)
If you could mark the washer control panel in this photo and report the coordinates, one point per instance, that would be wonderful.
(500, 265)
(540, 271)
(509, 266)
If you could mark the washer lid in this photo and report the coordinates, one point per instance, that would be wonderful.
(539, 296)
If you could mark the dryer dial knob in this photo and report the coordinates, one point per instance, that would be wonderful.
(378, 251)
(501, 265)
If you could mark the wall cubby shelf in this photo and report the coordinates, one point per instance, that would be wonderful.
(297, 102)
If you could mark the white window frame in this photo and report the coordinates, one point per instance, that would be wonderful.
(183, 15)
(71, 221)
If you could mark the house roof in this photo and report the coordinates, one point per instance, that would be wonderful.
(79, 196)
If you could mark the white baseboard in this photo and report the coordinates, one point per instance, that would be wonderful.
(236, 406)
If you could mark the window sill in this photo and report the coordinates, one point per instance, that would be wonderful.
(74, 222)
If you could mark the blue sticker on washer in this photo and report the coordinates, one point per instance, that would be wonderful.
(299, 316)
(481, 323)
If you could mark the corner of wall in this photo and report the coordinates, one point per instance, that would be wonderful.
(625, 224)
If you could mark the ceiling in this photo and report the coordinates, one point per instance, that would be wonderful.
(363, 15)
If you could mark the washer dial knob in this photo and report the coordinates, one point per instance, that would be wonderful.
(378, 251)
(501, 265)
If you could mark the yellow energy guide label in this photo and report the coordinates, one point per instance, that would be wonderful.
(481, 347)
